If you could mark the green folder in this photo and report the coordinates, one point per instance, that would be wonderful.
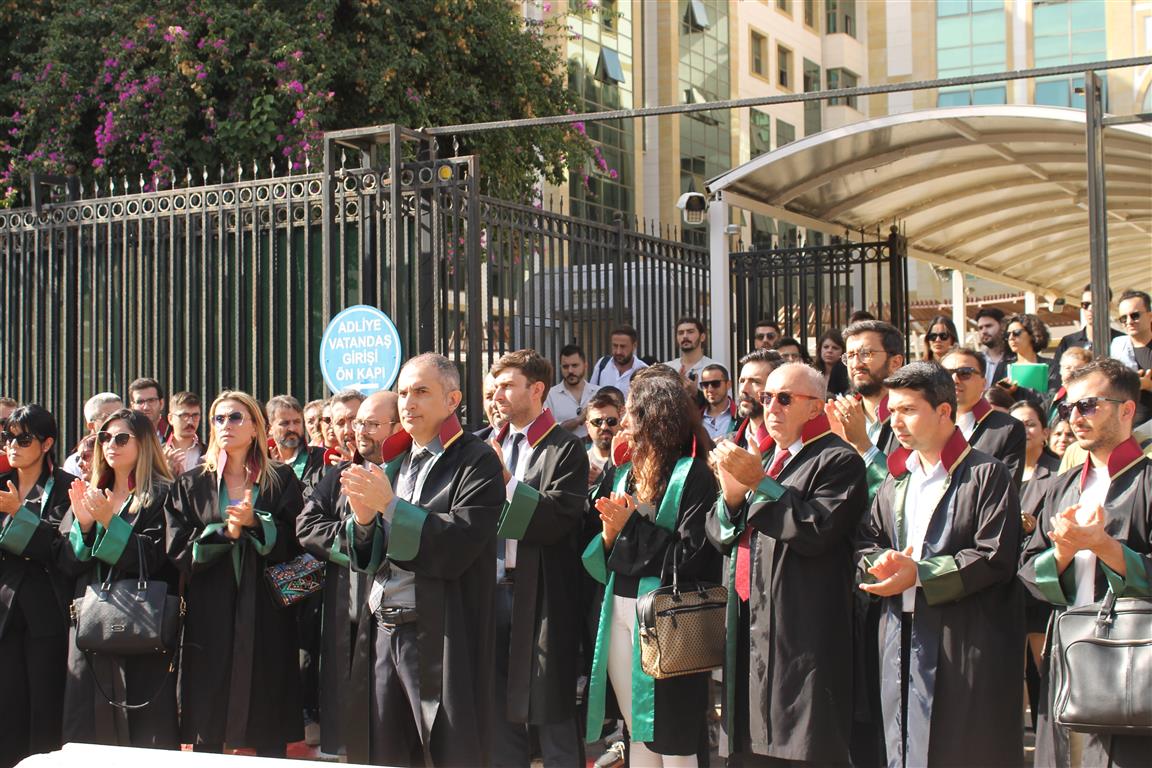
(1031, 375)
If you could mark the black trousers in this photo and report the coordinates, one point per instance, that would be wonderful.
(395, 737)
(32, 674)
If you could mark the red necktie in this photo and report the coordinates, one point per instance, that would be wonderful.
(743, 562)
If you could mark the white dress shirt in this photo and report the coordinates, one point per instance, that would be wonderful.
(565, 407)
(1094, 493)
(691, 371)
(523, 459)
(967, 423)
(925, 489)
(610, 375)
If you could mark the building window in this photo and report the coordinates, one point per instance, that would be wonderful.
(971, 39)
(696, 16)
(760, 134)
(608, 67)
(608, 14)
(843, 78)
(784, 67)
(841, 17)
(785, 6)
(810, 13)
(785, 133)
(966, 97)
(811, 108)
(1067, 33)
(759, 46)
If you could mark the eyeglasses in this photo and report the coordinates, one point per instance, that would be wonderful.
(1086, 405)
(784, 398)
(864, 355)
(185, 416)
(120, 439)
(220, 419)
(791, 357)
(1085, 305)
(145, 401)
(713, 383)
(24, 439)
(930, 337)
(963, 373)
(368, 426)
(604, 421)
(325, 419)
(1018, 333)
(1130, 317)
(765, 336)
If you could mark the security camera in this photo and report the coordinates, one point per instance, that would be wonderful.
(693, 207)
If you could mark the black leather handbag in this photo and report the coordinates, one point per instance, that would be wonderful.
(128, 617)
(1102, 667)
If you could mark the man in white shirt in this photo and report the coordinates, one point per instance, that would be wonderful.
(616, 370)
(720, 412)
(569, 399)
(690, 338)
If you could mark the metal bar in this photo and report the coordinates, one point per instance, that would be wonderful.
(1139, 117)
(1097, 211)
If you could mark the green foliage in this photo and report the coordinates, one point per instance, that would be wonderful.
(155, 87)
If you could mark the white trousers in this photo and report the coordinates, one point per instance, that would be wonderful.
(620, 673)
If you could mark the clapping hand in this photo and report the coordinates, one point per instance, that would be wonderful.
(896, 572)
(368, 490)
(240, 516)
(78, 495)
(175, 457)
(846, 418)
(1070, 536)
(500, 455)
(10, 500)
(99, 505)
(614, 509)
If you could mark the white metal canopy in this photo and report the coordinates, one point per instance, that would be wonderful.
(995, 191)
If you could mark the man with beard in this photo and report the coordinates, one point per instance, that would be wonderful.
(719, 410)
(568, 399)
(873, 351)
(603, 419)
(755, 367)
(323, 531)
(765, 334)
(690, 338)
(342, 410)
(1094, 534)
(538, 570)
(787, 535)
(990, 324)
(996, 434)
(616, 370)
(290, 443)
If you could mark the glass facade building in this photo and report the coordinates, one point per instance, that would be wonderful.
(971, 39)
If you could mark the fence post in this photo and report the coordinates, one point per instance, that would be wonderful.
(618, 272)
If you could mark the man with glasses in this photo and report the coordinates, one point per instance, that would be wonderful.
(939, 548)
(719, 412)
(147, 396)
(986, 429)
(765, 334)
(568, 399)
(1083, 337)
(323, 528)
(1094, 536)
(1134, 348)
(603, 419)
(538, 570)
(787, 535)
(184, 449)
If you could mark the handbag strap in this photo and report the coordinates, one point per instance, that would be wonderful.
(1107, 614)
(124, 705)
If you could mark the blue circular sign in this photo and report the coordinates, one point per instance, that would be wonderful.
(360, 350)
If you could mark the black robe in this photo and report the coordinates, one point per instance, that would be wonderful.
(1036, 612)
(33, 611)
(797, 703)
(87, 559)
(967, 633)
(239, 669)
(545, 516)
(1000, 436)
(1128, 519)
(641, 551)
(448, 540)
(322, 528)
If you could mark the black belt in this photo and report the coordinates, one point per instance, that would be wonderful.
(395, 617)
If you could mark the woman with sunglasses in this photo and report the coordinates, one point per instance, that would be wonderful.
(33, 594)
(1027, 336)
(940, 338)
(831, 362)
(658, 499)
(228, 519)
(115, 518)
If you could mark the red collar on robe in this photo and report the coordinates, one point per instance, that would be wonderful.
(815, 429)
(1060, 393)
(763, 439)
(1123, 458)
(981, 410)
(450, 432)
(537, 430)
(953, 453)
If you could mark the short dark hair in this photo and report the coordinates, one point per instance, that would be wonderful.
(769, 356)
(190, 399)
(981, 362)
(573, 349)
(615, 393)
(999, 397)
(1032, 406)
(625, 330)
(860, 314)
(281, 403)
(145, 382)
(831, 334)
(995, 313)
(715, 367)
(346, 396)
(929, 379)
(604, 399)
(1036, 329)
(38, 421)
(529, 362)
(1123, 382)
(693, 320)
(1132, 293)
(890, 337)
(766, 323)
(1088, 289)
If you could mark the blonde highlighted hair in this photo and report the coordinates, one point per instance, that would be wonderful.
(259, 463)
(151, 473)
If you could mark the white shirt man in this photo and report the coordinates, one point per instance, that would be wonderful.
(568, 400)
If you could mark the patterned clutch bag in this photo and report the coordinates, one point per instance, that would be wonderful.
(294, 580)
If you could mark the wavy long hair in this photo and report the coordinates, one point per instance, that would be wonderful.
(259, 463)
(665, 427)
(151, 473)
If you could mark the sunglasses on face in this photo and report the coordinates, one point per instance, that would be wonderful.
(765, 336)
(1086, 405)
(221, 419)
(784, 398)
(1130, 317)
(120, 439)
(1085, 305)
(24, 439)
(1017, 333)
(714, 383)
(963, 373)
(930, 337)
(604, 421)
